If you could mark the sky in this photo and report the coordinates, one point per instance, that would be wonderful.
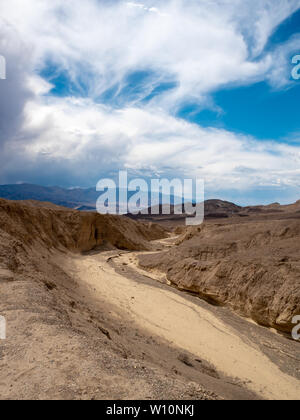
(161, 88)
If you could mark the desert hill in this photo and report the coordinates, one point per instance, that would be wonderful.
(252, 265)
(220, 210)
(62, 342)
(84, 199)
(85, 322)
(54, 227)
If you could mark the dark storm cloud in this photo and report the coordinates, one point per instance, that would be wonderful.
(14, 92)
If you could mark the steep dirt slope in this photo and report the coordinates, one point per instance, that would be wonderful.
(254, 267)
(62, 343)
(56, 227)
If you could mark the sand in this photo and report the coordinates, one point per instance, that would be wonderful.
(85, 322)
(186, 325)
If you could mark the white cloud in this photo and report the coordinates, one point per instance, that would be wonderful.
(93, 139)
(145, 8)
(200, 46)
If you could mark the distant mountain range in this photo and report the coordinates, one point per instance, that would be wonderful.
(77, 198)
(83, 199)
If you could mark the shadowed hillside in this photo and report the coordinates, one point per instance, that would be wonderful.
(252, 266)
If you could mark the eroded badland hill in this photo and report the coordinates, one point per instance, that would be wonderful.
(91, 312)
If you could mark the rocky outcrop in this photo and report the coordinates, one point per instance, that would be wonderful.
(54, 227)
(252, 267)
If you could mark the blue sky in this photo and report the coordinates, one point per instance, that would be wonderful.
(258, 109)
(160, 88)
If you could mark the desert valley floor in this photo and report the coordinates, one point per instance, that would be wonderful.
(91, 314)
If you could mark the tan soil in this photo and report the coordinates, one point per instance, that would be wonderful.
(83, 322)
(253, 267)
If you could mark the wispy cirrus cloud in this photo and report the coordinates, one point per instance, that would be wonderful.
(201, 46)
